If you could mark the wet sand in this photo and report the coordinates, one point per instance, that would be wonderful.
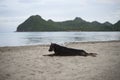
(28, 63)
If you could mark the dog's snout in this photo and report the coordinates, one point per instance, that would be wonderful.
(49, 50)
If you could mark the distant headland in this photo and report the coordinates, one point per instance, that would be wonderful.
(37, 23)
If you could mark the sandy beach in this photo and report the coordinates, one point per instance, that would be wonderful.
(28, 63)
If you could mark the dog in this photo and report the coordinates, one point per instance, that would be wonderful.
(64, 51)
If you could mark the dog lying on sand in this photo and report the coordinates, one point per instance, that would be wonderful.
(64, 51)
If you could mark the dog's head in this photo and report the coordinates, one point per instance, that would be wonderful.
(52, 47)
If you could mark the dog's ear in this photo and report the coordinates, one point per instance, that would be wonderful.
(51, 43)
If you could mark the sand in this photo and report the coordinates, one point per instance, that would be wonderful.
(28, 63)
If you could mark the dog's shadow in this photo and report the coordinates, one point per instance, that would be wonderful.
(61, 55)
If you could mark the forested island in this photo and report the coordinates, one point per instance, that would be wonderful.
(37, 23)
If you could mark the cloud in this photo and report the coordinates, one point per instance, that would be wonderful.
(109, 1)
(29, 1)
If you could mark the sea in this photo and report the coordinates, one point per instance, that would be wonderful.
(44, 38)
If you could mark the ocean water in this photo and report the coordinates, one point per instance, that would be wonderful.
(38, 38)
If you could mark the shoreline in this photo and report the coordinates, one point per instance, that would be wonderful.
(28, 62)
(62, 43)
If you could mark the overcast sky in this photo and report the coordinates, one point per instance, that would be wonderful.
(14, 12)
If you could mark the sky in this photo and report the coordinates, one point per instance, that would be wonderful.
(15, 12)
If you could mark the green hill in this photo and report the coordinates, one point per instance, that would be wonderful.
(117, 26)
(37, 23)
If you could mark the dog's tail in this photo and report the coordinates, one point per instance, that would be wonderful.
(92, 54)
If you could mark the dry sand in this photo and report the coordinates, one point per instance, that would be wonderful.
(28, 63)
